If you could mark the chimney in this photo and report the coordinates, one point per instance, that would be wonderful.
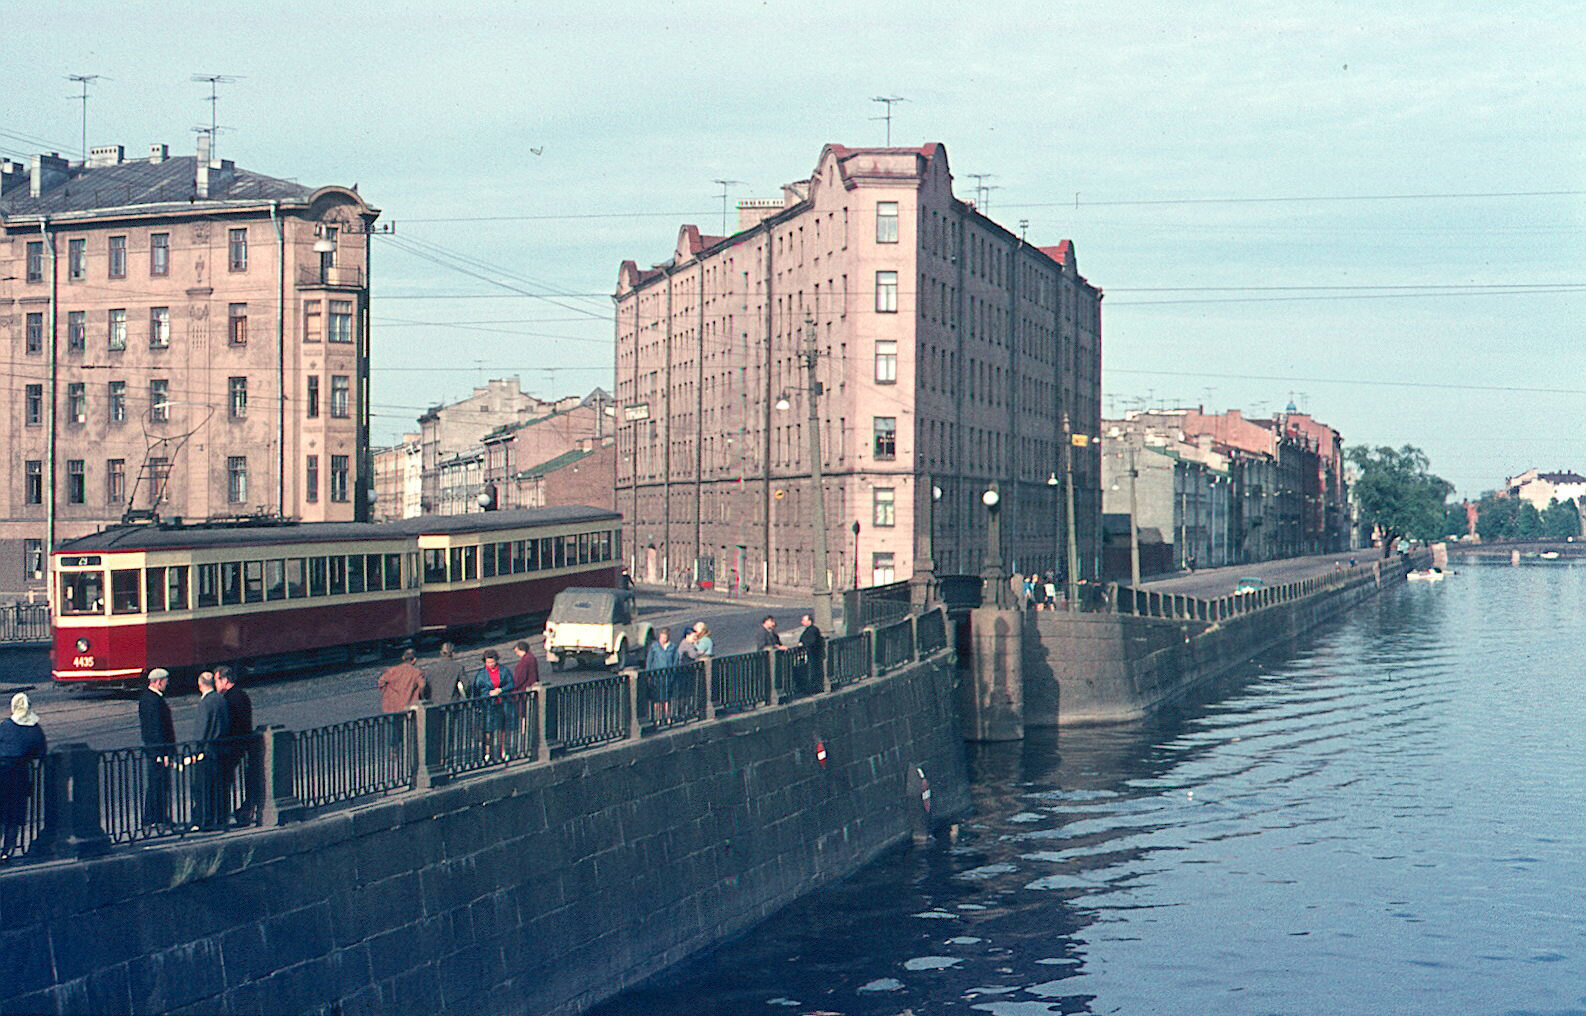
(48, 171)
(101, 156)
(201, 184)
(12, 175)
(158, 154)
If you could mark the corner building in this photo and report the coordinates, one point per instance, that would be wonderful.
(950, 351)
(181, 336)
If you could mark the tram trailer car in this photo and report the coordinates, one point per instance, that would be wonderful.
(287, 596)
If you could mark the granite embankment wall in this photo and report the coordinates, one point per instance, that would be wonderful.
(540, 890)
(1110, 668)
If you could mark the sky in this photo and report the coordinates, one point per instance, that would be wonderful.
(1372, 210)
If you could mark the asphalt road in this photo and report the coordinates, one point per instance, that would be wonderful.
(1208, 582)
(106, 720)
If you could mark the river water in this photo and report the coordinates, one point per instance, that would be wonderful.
(1384, 818)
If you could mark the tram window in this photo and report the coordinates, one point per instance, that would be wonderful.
(294, 578)
(274, 580)
(125, 596)
(176, 587)
(616, 545)
(317, 576)
(230, 583)
(413, 569)
(83, 592)
(547, 558)
(338, 575)
(605, 544)
(487, 561)
(567, 551)
(154, 589)
(519, 563)
(253, 581)
(355, 574)
(373, 579)
(434, 565)
(456, 574)
(209, 585)
(531, 555)
(471, 562)
(393, 571)
(583, 548)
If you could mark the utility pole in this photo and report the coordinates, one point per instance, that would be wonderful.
(823, 586)
(1134, 524)
(1069, 537)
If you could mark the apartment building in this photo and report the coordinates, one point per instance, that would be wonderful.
(182, 337)
(951, 355)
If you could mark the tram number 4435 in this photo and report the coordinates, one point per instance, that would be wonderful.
(83, 662)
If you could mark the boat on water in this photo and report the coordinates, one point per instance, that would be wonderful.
(1425, 575)
(1549, 555)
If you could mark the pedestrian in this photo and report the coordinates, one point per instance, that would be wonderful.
(448, 677)
(688, 649)
(159, 737)
(662, 652)
(526, 672)
(492, 682)
(813, 640)
(702, 639)
(21, 740)
(1037, 592)
(662, 655)
(1051, 591)
(210, 727)
(402, 688)
(768, 638)
(237, 757)
(624, 581)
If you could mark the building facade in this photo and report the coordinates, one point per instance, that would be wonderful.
(184, 338)
(950, 355)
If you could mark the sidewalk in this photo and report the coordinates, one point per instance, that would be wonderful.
(768, 601)
(1220, 581)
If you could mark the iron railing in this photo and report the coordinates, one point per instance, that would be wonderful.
(25, 622)
(1183, 607)
(476, 733)
(894, 645)
(740, 682)
(848, 659)
(671, 695)
(27, 774)
(346, 761)
(798, 672)
(175, 789)
(586, 712)
(931, 631)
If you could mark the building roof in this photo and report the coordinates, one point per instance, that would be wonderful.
(1565, 477)
(147, 186)
(561, 461)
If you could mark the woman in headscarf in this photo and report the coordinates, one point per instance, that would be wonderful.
(21, 740)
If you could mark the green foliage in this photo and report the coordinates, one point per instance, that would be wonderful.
(1560, 520)
(1455, 522)
(1398, 494)
(1508, 518)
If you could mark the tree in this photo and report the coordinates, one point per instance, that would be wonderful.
(1560, 520)
(1456, 523)
(1507, 518)
(1398, 494)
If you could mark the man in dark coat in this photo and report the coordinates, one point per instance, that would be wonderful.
(448, 677)
(159, 736)
(402, 688)
(814, 643)
(768, 638)
(238, 754)
(210, 726)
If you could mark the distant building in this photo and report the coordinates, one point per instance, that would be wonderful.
(398, 480)
(181, 337)
(1539, 489)
(949, 351)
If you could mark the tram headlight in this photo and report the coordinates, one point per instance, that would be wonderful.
(82, 645)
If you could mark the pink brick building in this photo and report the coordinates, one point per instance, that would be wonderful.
(949, 350)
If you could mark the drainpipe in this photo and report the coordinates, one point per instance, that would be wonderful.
(280, 357)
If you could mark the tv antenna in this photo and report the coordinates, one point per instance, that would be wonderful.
(724, 184)
(85, 80)
(890, 101)
(215, 81)
(980, 188)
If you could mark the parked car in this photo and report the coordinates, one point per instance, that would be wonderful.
(1248, 584)
(598, 626)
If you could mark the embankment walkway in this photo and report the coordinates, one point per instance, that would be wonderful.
(1212, 582)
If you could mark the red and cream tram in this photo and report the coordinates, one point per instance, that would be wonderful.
(287, 596)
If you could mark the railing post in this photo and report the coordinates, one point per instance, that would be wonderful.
(631, 678)
(429, 738)
(710, 696)
(875, 643)
(773, 697)
(71, 805)
(53, 791)
(540, 698)
(914, 633)
(277, 746)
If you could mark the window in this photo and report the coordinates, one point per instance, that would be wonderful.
(208, 585)
(176, 587)
(159, 253)
(884, 507)
(355, 573)
(338, 478)
(236, 478)
(237, 324)
(434, 565)
(35, 405)
(159, 327)
(886, 292)
(886, 222)
(338, 575)
(33, 559)
(118, 257)
(77, 402)
(237, 259)
(35, 257)
(275, 580)
(76, 329)
(35, 333)
(118, 402)
(159, 400)
(115, 481)
(253, 582)
(340, 396)
(83, 592)
(318, 576)
(77, 259)
(154, 589)
(237, 391)
(340, 321)
(886, 362)
(159, 479)
(76, 481)
(295, 585)
(117, 329)
(125, 596)
(313, 396)
(313, 321)
(33, 490)
(881, 570)
(886, 442)
(371, 573)
(230, 583)
(311, 480)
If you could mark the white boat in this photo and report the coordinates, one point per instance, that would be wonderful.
(1549, 555)
(1427, 575)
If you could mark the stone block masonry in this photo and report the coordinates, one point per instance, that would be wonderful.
(540, 890)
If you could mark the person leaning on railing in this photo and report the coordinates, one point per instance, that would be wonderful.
(21, 741)
(159, 738)
(492, 682)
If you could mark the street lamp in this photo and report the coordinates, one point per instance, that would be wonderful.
(991, 574)
(856, 554)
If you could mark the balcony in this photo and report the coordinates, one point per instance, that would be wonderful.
(330, 277)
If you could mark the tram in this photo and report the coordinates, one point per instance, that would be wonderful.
(270, 596)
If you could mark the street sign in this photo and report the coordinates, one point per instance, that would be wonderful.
(634, 413)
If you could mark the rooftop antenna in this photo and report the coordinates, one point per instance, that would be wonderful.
(1024, 224)
(215, 81)
(724, 184)
(988, 188)
(84, 80)
(980, 186)
(890, 100)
